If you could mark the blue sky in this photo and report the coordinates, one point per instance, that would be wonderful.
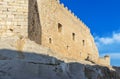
(103, 18)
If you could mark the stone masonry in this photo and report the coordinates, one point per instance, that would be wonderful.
(14, 16)
(50, 24)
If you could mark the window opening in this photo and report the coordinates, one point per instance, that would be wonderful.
(73, 36)
(67, 47)
(50, 40)
(59, 27)
(83, 42)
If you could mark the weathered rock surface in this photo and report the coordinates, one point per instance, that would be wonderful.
(37, 66)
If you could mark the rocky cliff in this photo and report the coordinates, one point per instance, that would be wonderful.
(37, 66)
(21, 58)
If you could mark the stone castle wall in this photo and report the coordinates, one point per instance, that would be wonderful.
(50, 24)
(104, 60)
(63, 32)
(14, 16)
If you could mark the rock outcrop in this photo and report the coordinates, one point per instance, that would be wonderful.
(37, 66)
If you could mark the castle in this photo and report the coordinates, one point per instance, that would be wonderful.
(50, 24)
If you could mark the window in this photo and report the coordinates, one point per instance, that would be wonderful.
(67, 47)
(50, 40)
(11, 30)
(83, 41)
(73, 36)
(59, 27)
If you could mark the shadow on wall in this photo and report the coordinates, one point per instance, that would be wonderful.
(34, 25)
(23, 65)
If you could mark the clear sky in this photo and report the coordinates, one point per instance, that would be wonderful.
(103, 18)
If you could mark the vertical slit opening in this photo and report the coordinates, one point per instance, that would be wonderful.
(50, 40)
(73, 36)
(59, 27)
(83, 41)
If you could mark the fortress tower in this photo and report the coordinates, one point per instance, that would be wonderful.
(50, 24)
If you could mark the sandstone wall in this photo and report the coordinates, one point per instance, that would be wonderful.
(14, 16)
(105, 61)
(64, 33)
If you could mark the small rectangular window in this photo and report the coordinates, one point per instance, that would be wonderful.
(73, 36)
(67, 47)
(83, 41)
(50, 40)
(59, 27)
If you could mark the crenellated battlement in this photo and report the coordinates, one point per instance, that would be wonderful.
(72, 13)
